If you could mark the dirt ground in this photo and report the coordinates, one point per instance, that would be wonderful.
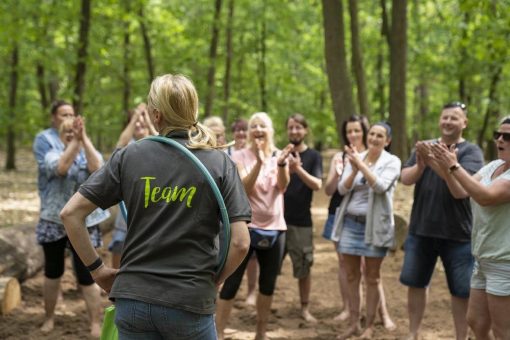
(19, 203)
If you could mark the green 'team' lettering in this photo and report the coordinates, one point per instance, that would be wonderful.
(156, 194)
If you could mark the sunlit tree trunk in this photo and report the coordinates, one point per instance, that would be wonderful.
(41, 86)
(213, 52)
(357, 59)
(126, 79)
(228, 60)
(398, 62)
(10, 161)
(147, 45)
(336, 62)
(81, 66)
(261, 63)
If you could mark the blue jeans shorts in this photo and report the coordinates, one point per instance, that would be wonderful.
(139, 320)
(328, 227)
(352, 240)
(420, 259)
(492, 276)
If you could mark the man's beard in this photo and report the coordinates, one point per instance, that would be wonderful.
(296, 142)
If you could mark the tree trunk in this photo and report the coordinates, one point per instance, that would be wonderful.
(10, 294)
(41, 86)
(493, 105)
(261, 65)
(81, 67)
(213, 51)
(463, 96)
(398, 60)
(147, 45)
(228, 60)
(421, 89)
(357, 59)
(126, 93)
(10, 161)
(336, 62)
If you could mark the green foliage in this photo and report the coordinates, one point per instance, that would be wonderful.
(448, 40)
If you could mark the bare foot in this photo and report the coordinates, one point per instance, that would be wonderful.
(352, 331)
(344, 315)
(251, 300)
(305, 314)
(367, 333)
(47, 326)
(389, 324)
(95, 330)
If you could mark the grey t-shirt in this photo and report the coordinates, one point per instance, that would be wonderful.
(169, 256)
(435, 212)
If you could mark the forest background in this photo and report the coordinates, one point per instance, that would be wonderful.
(389, 59)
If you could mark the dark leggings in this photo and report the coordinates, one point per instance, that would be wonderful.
(54, 262)
(269, 263)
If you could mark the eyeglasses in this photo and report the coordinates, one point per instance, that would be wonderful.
(497, 134)
(455, 104)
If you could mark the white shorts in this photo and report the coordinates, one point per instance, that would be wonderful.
(491, 276)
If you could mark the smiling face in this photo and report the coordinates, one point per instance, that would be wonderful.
(503, 146)
(377, 138)
(451, 123)
(296, 132)
(354, 134)
(258, 129)
(240, 135)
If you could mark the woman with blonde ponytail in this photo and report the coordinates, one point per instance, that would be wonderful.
(166, 285)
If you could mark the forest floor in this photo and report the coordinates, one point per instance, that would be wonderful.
(19, 203)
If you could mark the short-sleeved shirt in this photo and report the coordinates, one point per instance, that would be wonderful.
(435, 212)
(266, 199)
(298, 196)
(170, 254)
(491, 224)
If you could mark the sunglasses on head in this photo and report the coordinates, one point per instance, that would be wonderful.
(497, 134)
(460, 105)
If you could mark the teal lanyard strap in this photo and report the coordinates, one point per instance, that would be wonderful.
(224, 241)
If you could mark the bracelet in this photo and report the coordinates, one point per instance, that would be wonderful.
(281, 165)
(95, 265)
(453, 168)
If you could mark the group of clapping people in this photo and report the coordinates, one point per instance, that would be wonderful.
(361, 180)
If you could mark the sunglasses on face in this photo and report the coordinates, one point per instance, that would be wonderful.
(497, 134)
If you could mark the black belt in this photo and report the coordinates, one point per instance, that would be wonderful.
(359, 219)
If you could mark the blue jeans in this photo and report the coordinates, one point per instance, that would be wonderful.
(139, 320)
(420, 258)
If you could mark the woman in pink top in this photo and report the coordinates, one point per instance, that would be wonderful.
(265, 176)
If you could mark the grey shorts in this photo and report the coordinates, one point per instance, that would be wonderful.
(491, 276)
(299, 245)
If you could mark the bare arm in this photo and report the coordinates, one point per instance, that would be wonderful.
(498, 192)
(68, 156)
(249, 178)
(296, 167)
(239, 246)
(283, 174)
(127, 134)
(336, 167)
(73, 216)
(94, 160)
